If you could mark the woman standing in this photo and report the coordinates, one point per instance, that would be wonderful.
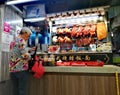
(19, 63)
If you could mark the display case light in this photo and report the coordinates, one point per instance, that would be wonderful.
(101, 18)
(18, 1)
(112, 34)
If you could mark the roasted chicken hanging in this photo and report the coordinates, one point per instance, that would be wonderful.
(60, 39)
(93, 30)
(60, 30)
(79, 31)
(67, 40)
(86, 30)
(67, 30)
(74, 31)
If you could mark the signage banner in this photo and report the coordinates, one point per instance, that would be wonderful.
(35, 11)
(105, 57)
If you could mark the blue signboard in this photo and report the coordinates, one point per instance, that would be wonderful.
(35, 11)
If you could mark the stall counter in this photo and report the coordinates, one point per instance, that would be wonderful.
(83, 69)
(74, 80)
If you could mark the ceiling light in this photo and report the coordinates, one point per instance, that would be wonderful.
(18, 1)
(34, 19)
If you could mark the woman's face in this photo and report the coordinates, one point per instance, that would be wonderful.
(25, 36)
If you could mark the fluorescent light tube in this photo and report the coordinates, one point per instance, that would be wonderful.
(18, 1)
(34, 19)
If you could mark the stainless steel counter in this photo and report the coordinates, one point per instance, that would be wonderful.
(82, 69)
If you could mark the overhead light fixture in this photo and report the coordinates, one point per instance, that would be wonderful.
(18, 2)
(34, 19)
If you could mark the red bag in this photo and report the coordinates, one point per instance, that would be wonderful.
(37, 69)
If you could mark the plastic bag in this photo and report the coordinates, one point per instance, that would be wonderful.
(37, 69)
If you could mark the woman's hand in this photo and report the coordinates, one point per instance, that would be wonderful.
(25, 55)
(32, 49)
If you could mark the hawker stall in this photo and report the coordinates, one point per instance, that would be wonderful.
(79, 38)
(78, 60)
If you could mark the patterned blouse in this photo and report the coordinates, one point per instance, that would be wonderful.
(19, 56)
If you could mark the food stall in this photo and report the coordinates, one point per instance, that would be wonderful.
(79, 37)
(79, 58)
(77, 62)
